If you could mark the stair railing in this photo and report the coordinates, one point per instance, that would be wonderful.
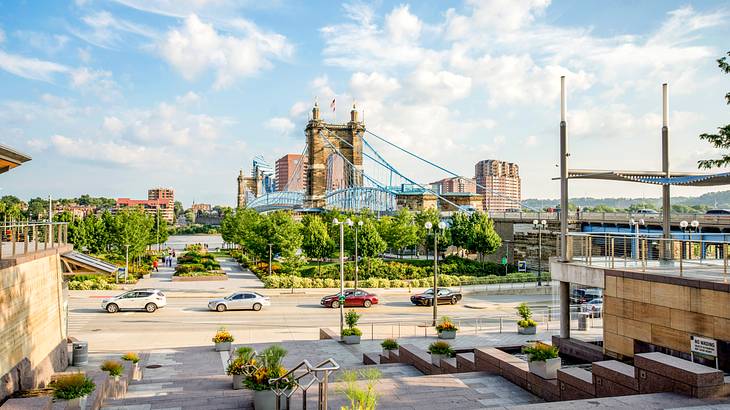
(294, 380)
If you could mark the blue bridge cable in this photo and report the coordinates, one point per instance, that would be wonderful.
(390, 168)
(442, 168)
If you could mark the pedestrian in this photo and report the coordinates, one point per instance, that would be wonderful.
(169, 260)
(154, 265)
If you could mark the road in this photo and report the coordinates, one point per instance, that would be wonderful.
(186, 321)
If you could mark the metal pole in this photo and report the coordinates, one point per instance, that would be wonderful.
(539, 256)
(269, 259)
(435, 275)
(342, 277)
(564, 286)
(356, 272)
(666, 199)
(126, 269)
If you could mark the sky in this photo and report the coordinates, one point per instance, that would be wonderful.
(112, 97)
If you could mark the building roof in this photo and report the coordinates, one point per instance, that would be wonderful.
(653, 177)
(10, 158)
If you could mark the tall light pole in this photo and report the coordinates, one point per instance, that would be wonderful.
(435, 301)
(539, 225)
(270, 259)
(633, 222)
(688, 228)
(158, 227)
(359, 224)
(341, 298)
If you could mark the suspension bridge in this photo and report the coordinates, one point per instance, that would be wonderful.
(341, 169)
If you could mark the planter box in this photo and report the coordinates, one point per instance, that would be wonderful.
(386, 353)
(198, 278)
(351, 340)
(266, 400)
(238, 381)
(78, 403)
(547, 369)
(223, 347)
(447, 334)
(527, 330)
(436, 359)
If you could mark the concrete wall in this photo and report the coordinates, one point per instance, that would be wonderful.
(661, 310)
(32, 322)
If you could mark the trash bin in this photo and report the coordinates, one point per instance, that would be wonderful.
(583, 320)
(80, 354)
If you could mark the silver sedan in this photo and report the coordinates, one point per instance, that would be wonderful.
(240, 300)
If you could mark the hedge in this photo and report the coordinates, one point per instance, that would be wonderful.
(287, 281)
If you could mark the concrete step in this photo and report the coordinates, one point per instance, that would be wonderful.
(448, 365)
(371, 358)
(465, 362)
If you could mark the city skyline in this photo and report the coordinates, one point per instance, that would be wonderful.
(215, 84)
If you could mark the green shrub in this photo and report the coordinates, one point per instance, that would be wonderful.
(113, 367)
(72, 386)
(441, 347)
(351, 331)
(131, 357)
(389, 344)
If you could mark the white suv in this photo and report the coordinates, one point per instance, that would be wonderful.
(137, 299)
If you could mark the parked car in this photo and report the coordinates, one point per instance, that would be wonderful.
(595, 307)
(240, 300)
(647, 211)
(137, 299)
(581, 295)
(445, 296)
(353, 298)
(718, 212)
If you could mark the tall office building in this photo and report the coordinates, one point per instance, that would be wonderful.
(289, 171)
(263, 173)
(500, 183)
(166, 198)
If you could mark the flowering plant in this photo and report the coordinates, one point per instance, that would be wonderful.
(243, 363)
(131, 357)
(270, 368)
(222, 336)
(446, 325)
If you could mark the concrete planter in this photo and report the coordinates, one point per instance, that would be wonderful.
(77, 403)
(447, 334)
(266, 400)
(386, 353)
(351, 340)
(238, 381)
(436, 359)
(531, 330)
(223, 347)
(547, 369)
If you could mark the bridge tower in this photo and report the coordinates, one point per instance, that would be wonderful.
(347, 138)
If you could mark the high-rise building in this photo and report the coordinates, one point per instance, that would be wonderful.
(454, 184)
(263, 172)
(291, 173)
(166, 198)
(500, 183)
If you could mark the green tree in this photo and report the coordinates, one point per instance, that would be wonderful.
(316, 241)
(722, 138)
(370, 244)
(399, 231)
(603, 208)
(483, 239)
(460, 229)
(178, 210)
(37, 208)
(159, 230)
(281, 231)
(132, 227)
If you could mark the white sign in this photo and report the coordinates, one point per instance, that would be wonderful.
(703, 346)
(521, 266)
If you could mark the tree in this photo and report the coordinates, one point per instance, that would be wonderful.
(370, 243)
(316, 241)
(399, 231)
(460, 229)
(722, 138)
(159, 232)
(37, 207)
(483, 238)
(178, 208)
(427, 215)
(132, 227)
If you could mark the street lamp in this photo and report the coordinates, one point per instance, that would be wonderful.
(270, 259)
(633, 222)
(539, 225)
(441, 226)
(126, 269)
(341, 298)
(689, 228)
(359, 224)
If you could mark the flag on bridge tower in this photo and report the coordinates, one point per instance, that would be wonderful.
(332, 105)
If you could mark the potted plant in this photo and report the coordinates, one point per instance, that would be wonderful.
(388, 345)
(446, 328)
(360, 398)
(132, 357)
(525, 326)
(74, 387)
(115, 368)
(240, 365)
(543, 359)
(439, 350)
(222, 340)
(351, 335)
(265, 376)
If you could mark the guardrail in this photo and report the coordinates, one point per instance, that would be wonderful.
(614, 217)
(25, 237)
(295, 379)
(651, 253)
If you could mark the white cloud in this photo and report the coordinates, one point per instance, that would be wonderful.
(183, 8)
(299, 108)
(442, 86)
(84, 55)
(99, 82)
(105, 30)
(531, 141)
(494, 15)
(280, 125)
(402, 26)
(37, 144)
(31, 68)
(113, 152)
(48, 43)
(372, 86)
(2, 35)
(197, 46)
(188, 98)
(114, 125)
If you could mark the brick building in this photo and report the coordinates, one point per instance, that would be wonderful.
(454, 184)
(500, 183)
(286, 167)
(160, 200)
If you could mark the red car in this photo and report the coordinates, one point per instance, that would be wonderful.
(353, 298)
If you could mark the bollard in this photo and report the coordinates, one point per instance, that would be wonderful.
(500, 324)
(372, 331)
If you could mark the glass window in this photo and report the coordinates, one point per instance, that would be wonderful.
(443, 292)
(237, 296)
(359, 293)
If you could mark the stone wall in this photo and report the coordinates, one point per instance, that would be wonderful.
(663, 311)
(32, 322)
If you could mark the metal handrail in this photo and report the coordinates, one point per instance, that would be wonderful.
(42, 235)
(290, 378)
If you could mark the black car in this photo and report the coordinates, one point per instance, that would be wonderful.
(445, 296)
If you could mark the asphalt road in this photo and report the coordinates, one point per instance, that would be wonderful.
(188, 322)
